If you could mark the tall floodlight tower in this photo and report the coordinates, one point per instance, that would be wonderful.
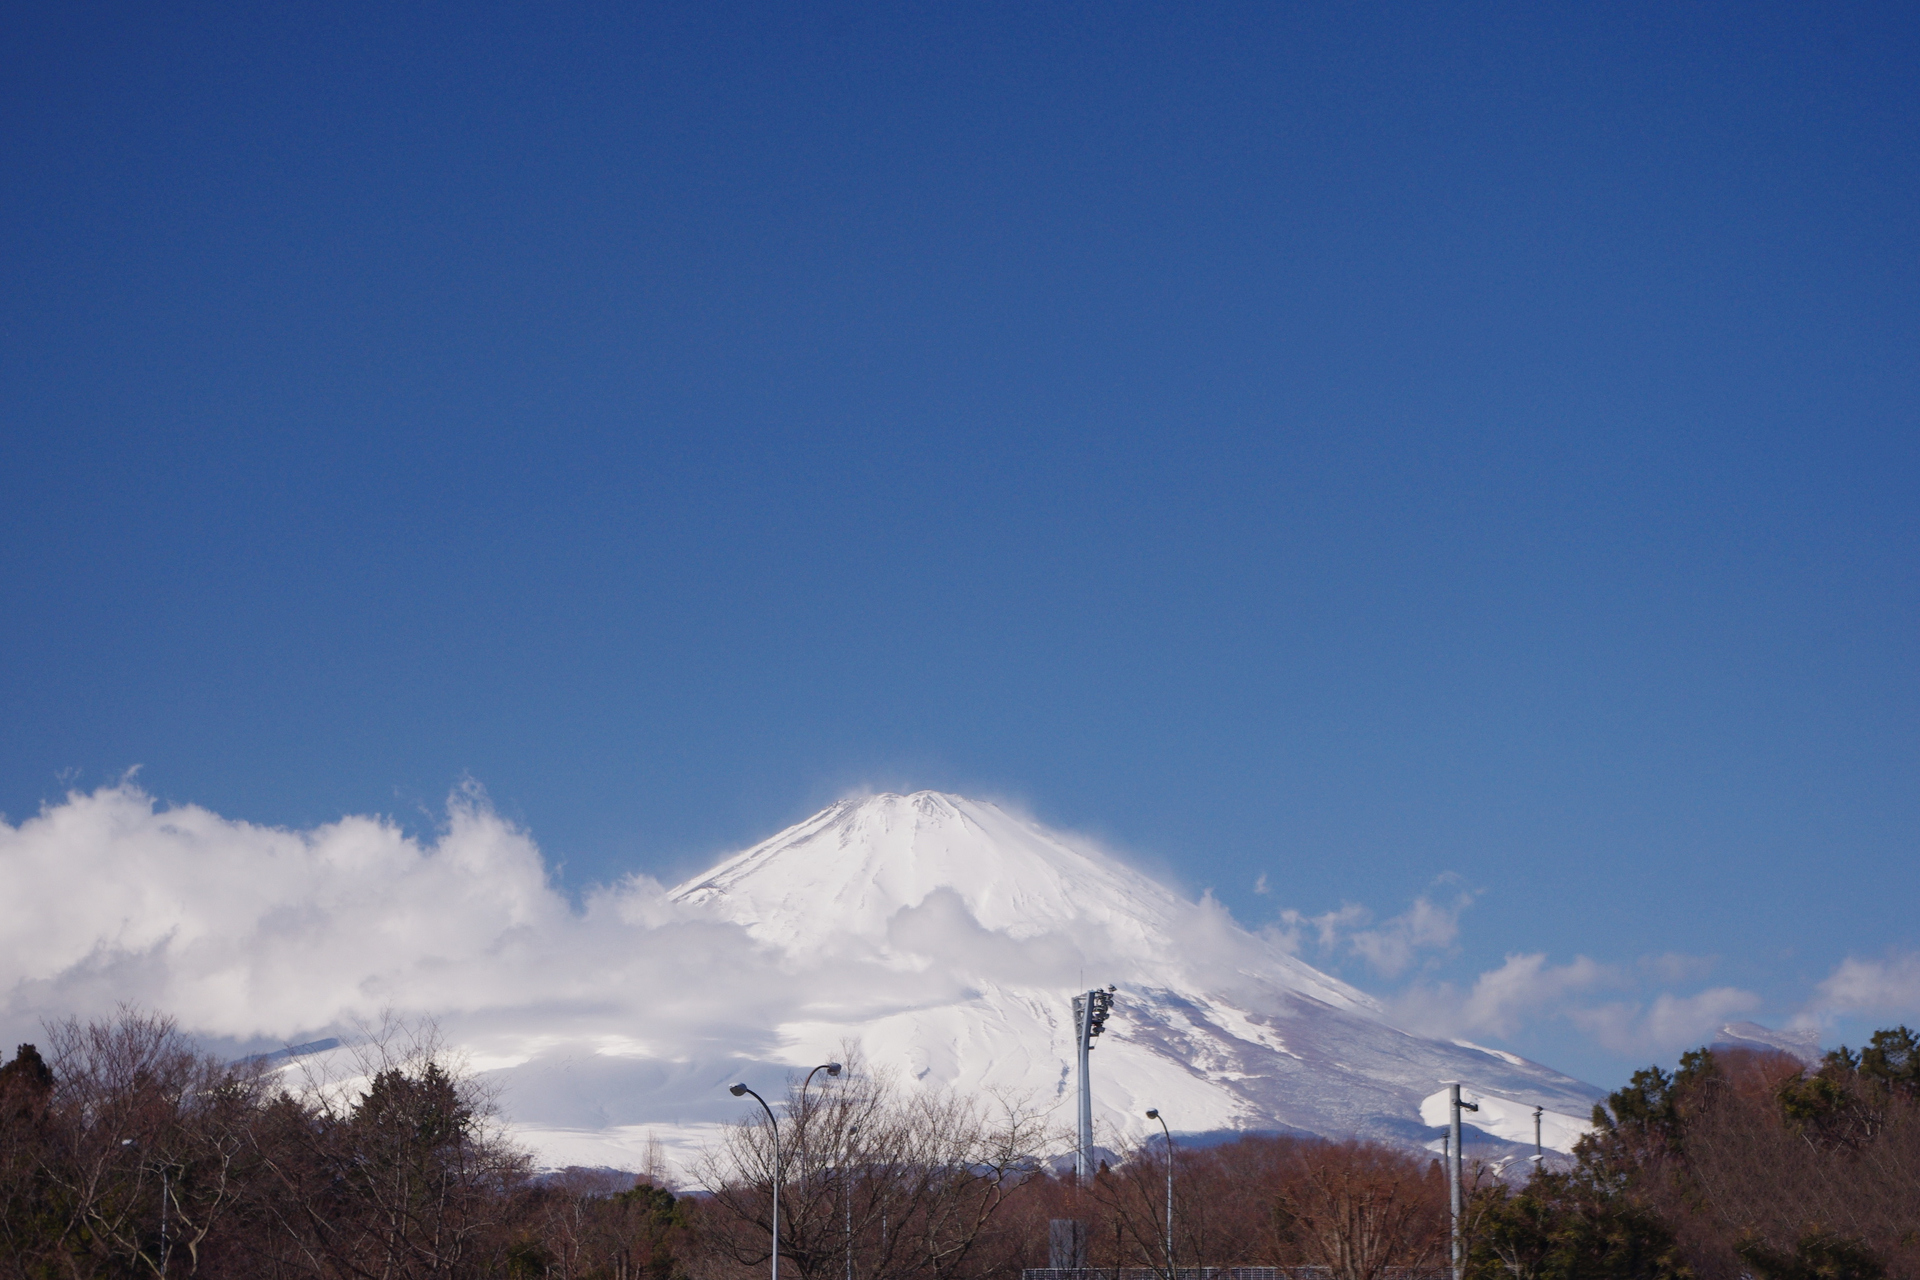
(1090, 1010)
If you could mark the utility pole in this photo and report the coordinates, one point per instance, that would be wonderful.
(1455, 1107)
(1090, 1010)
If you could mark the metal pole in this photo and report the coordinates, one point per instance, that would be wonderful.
(1538, 1152)
(1455, 1107)
(1090, 1010)
(1083, 1043)
(846, 1189)
(738, 1090)
(1453, 1175)
(1154, 1114)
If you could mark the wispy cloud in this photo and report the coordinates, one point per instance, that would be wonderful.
(1528, 988)
(1391, 947)
(1666, 1023)
(1500, 1001)
(1885, 988)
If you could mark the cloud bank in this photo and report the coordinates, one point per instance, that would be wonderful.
(262, 935)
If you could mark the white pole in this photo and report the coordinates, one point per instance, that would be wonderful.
(1454, 1198)
(1453, 1174)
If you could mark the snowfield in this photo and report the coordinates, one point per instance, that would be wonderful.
(950, 935)
(947, 936)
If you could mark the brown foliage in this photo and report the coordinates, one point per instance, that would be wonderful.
(127, 1153)
(1354, 1207)
(909, 1187)
(1761, 1167)
(1773, 1153)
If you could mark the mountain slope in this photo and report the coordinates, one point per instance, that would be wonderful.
(948, 936)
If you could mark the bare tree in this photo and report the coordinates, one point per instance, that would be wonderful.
(906, 1186)
(1359, 1209)
(392, 1168)
(143, 1145)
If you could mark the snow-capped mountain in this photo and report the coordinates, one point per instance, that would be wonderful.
(1803, 1045)
(948, 936)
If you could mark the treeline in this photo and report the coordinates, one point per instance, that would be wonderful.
(1736, 1166)
(124, 1152)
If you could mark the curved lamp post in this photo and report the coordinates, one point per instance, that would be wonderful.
(741, 1091)
(1154, 1114)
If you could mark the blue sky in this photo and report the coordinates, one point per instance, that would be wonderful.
(1393, 451)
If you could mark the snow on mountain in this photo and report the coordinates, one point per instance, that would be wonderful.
(1804, 1045)
(948, 936)
(1505, 1118)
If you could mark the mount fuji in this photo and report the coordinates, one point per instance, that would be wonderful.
(947, 936)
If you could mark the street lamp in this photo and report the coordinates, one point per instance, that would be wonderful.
(1154, 1114)
(741, 1091)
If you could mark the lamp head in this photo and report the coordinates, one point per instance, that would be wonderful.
(738, 1090)
(1153, 1114)
(833, 1068)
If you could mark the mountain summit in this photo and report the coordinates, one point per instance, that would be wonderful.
(948, 936)
(843, 879)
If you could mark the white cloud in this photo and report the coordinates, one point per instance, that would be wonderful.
(1668, 1024)
(1525, 985)
(1888, 988)
(1389, 948)
(260, 933)
(1501, 1000)
(257, 934)
(1326, 929)
(1425, 926)
(631, 1005)
(252, 933)
(1526, 988)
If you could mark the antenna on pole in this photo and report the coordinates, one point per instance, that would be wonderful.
(1090, 1011)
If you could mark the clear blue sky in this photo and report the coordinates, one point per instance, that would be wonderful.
(1343, 443)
